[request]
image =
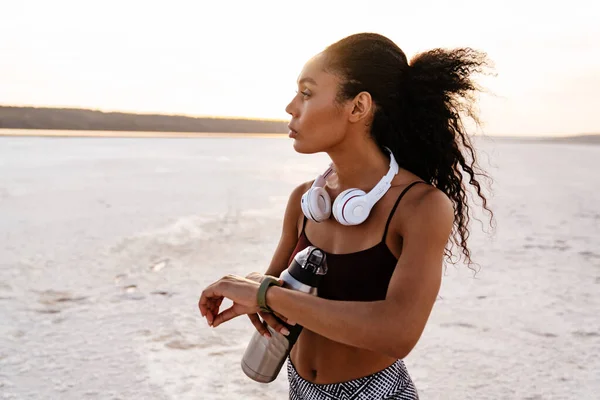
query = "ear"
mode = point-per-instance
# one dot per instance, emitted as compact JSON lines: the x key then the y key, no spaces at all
{"x":362,"y":106}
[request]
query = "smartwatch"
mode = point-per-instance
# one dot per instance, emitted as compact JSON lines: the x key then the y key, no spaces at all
{"x":266,"y":283}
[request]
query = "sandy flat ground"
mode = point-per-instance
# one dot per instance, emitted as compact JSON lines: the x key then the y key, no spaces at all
{"x":105,"y":245}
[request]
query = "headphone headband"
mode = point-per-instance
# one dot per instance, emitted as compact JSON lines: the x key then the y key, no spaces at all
{"x":352,"y":206}
{"x":384,"y":184}
{"x":320,"y":180}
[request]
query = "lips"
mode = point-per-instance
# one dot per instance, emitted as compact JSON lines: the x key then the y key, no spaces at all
{"x":293,"y":133}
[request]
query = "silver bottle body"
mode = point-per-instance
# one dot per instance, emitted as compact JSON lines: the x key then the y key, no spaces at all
{"x":264,"y":357}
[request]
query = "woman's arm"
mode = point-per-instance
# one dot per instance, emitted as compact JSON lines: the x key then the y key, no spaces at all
{"x":392,"y":326}
{"x":289,"y":232}
{"x":279,"y":261}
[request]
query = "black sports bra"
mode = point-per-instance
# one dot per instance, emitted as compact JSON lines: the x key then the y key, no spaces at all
{"x":359,"y":276}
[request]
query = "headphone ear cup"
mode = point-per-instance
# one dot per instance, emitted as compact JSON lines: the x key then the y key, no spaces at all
{"x":304,"y":205}
{"x":316,"y":204}
{"x":349,"y":207}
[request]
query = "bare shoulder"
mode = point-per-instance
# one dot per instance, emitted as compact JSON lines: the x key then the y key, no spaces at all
{"x":292,"y":221}
{"x":293,"y":212}
{"x":296,"y":196}
{"x":426,"y":206}
{"x":300,"y":190}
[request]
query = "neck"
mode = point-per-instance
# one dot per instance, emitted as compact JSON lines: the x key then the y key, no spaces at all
{"x":359,"y":165}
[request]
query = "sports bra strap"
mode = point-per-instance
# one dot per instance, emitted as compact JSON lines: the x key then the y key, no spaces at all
{"x":303,"y":224}
{"x":387,"y":225}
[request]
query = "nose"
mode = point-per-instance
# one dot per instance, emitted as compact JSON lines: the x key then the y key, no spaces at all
{"x":291,"y":109}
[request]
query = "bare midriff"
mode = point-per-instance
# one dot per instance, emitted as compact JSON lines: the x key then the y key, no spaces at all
{"x":322,"y":361}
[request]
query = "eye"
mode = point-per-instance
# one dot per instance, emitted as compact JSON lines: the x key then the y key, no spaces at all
{"x":304,"y":93}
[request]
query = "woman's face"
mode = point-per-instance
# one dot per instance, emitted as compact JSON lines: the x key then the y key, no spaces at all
{"x":318,"y":121}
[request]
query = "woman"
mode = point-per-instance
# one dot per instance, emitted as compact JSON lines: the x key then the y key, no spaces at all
{"x":355,"y":100}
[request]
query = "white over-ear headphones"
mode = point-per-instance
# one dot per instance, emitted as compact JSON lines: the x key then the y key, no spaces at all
{"x":352,"y":206}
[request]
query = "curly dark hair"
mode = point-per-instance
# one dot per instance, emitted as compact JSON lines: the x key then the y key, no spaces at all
{"x":418,"y":108}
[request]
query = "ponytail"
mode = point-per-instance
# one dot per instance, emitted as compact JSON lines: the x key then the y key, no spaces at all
{"x":418,"y":113}
{"x":435,"y":143}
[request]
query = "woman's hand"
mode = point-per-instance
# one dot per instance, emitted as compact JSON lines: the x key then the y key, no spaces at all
{"x":273,"y":320}
{"x":240,"y":290}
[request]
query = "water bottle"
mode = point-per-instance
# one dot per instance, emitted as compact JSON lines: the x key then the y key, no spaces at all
{"x":264,"y":357}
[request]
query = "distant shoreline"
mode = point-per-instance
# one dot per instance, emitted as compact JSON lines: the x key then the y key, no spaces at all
{"x":133,"y":134}
{"x":63,"y":119}
{"x":590,"y":139}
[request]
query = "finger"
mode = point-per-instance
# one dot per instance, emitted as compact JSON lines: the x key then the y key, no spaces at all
{"x":209,"y":296}
{"x":284,"y":319}
{"x":275,"y":323}
{"x":216,"y":304}
{"x":206,"y":308}
{"x":212,"y":309}
{"x":259,"y":325}
{"x":202,"y":306}
{"x":205,"y":299}
{"x":225,"y":316}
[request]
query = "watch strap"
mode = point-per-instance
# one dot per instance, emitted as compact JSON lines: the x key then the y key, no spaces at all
{"x":261,"y":297}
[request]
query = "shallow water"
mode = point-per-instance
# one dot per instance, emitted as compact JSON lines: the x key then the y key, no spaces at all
{"x":105,"y":245}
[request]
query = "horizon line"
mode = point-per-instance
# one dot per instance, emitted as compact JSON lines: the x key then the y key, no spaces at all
{"x":116,"y":111}
{"x":245,"y":118}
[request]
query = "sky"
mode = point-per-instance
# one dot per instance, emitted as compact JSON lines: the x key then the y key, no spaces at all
{"x":242,"y":58}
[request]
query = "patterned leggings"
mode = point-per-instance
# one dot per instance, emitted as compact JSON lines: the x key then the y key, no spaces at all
{"x":388,"y":384}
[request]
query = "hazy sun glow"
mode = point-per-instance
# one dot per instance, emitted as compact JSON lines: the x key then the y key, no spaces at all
{"x":242,"y":58}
